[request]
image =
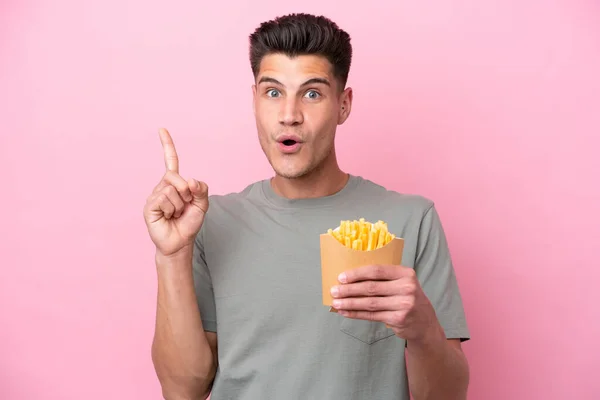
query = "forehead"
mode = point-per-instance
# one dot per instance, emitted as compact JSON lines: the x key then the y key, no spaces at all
{"x":295,"y":70}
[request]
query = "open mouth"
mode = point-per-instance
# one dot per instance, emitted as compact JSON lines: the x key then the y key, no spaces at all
{"x":289,"y":142}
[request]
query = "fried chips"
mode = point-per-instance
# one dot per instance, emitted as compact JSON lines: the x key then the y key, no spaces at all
{"x":362,"y":235}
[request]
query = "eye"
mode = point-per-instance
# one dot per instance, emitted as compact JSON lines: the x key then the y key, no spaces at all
{"x":272,"y":93}
{"x":312,"y":94}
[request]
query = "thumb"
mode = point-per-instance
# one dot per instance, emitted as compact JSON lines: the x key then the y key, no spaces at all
{"x":199,"y":192}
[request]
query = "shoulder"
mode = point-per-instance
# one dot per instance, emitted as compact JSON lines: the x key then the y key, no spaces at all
{"x":226,"y":208}
{"x":409,"y":203}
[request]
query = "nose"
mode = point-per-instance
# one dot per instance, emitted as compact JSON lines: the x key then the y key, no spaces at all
{"x":290,"y":112}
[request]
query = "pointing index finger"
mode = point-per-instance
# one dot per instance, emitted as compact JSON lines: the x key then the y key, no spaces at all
{"x":171,"y":160}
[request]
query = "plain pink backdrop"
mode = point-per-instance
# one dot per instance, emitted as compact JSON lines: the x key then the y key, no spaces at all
{"x":491,"y":108}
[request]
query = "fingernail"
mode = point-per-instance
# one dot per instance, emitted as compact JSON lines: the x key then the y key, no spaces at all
{"x":335,"y":291}
{"x":337,"y":304}
{"x":342,"y":277}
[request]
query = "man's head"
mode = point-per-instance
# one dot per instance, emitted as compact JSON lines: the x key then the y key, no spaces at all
{"x":300,"y":64}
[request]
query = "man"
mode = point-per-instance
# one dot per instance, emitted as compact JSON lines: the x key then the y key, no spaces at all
{"x":239,"y":308}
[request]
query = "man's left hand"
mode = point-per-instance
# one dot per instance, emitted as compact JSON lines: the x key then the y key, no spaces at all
{"x":390,"y":294}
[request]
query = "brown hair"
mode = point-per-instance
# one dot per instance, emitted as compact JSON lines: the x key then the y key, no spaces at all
{"x":303,"y":34}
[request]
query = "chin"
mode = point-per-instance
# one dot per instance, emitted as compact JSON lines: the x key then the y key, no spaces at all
{"x":291,"y":172}
{"x":287,"y":174}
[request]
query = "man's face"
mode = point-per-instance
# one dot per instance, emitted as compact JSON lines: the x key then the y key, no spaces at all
{"x":298,"y":105}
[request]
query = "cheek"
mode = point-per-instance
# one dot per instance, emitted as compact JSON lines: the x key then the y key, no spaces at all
{"x":266,"y":116}
{"x":320,"y":119}
{"x":261,"y":122}
{"x":325,"y":130}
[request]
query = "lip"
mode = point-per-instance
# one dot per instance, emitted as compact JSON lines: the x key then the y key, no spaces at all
{"x":283,"y":138}
{"x":289,"y":149}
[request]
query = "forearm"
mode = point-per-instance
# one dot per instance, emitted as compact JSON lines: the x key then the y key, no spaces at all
{"x":437,"y":369}
{"x":181,"y":352}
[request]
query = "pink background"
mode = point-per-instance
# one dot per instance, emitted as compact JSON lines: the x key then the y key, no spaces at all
{"x":492,"y":108}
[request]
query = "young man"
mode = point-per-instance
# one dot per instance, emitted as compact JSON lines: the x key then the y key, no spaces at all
{"x":240,"y":308}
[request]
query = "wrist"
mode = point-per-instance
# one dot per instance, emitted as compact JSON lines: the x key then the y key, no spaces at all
{"x":175,"y":268}
{"x":182,"y":256}
{"x":432,"y":339}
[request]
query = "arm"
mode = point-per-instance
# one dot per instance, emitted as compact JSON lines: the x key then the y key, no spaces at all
{"x":421,"y":305}
{"x":184,"y":355}
{"x":437,"y":369}
{"x":436,"y":365}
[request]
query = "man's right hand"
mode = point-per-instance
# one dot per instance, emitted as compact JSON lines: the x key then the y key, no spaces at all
{"x":175,"y":210}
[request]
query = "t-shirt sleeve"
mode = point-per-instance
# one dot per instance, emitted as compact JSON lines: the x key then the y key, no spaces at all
{"x":203,"y":286}
{"x":435,"y":271}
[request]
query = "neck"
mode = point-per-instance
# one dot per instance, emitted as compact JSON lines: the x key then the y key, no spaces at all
{"x":323,"y":181}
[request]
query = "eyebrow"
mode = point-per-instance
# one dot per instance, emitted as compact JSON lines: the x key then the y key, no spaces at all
{"x":312,"y":81}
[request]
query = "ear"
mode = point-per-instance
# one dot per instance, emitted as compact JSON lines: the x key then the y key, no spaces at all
{"x":254,"y":99}
{"x":345,"y":105}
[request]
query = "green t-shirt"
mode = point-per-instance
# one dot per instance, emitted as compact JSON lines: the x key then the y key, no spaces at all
{"x":257,"y":276}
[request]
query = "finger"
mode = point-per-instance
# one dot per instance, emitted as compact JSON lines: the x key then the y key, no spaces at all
{"x":174,"y":179}
{"x":171,"y":160}
{"x":199,"y":192}
{"x":375,"y":273}
{"x":377,"y":303}
{"x":162,"y":205}
{"x":173,"y":195}
{"x":366,"y":288}
{"x":387,"y":317}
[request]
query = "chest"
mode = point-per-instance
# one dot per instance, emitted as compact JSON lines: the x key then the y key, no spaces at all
{"x":275,"y":263}
{"x":260,"y":264}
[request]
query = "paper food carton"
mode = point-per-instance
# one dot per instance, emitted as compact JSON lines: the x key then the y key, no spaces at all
{"x":355,"y":244}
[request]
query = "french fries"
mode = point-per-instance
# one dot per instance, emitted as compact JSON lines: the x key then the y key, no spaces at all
{"x":362,"y":235}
